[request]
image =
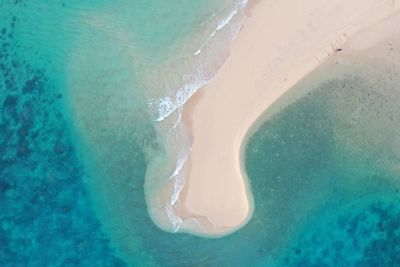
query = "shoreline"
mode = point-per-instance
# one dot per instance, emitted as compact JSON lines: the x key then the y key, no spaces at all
{"x":217,"y":192}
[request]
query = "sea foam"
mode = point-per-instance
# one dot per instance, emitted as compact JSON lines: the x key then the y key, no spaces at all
{"x":182,"y":80}
{"x":166,"y":105}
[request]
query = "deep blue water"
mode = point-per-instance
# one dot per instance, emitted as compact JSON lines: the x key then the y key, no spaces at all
{"x":46,"y":217}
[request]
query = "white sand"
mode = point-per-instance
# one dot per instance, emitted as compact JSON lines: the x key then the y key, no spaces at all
{"x":281,"y":42}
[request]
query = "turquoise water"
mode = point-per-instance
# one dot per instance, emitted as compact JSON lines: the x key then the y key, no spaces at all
{"x":328,"y":165}
{"x":78,"y":138}
{"x":46,"y":217}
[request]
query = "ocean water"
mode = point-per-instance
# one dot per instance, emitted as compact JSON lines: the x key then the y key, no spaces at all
{"x":326,"y":168}
{"x":116,"y":61}
{"x":129,"y":71}
{"x":90,"y":94}
{"x":46,"y":217}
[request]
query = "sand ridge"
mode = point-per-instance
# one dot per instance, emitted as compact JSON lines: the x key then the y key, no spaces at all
{"x":280,"y":43}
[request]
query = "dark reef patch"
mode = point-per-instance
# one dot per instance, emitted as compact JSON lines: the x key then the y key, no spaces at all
{"x":46,"y":218}
{"x":358,"y":236}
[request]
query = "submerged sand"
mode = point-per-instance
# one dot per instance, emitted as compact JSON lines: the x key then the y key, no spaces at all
{"x":280,"y":43}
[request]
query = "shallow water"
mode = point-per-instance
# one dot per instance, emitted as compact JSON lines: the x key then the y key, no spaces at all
{"x":326,"y":168}
{"x":77,"y":138}
{"x":50,"y":204}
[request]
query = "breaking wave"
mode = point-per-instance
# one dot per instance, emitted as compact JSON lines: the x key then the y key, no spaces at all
{"x":180,"y":79}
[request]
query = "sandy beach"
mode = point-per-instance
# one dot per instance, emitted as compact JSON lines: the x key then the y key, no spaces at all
{"x":279,"y":44}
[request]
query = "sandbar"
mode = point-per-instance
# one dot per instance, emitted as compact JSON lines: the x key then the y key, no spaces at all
{"x":279,"y":44}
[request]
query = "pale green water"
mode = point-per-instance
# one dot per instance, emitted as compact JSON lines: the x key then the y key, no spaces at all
{"x":77,"y":137}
